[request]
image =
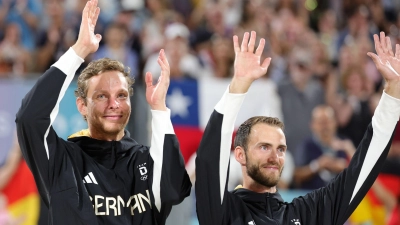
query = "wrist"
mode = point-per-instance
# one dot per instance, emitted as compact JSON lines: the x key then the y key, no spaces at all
{"x":81,"y":50}
{"x":392,"y":89}
{"x":239,"y":86}
{"x":159,"y":107}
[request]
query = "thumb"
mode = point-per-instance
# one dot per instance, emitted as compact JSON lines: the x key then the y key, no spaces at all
{"x":98,"y":37}
{"x":375,"y":58}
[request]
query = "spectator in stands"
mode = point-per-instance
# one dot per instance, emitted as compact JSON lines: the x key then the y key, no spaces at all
{"x":116,"y":47}
{"x":14,"y":58}
{"x":328,"y":33}
{"x":217,"y":56}
{"x":56,"y":35}
{"x":184,"y":65}
{"x":25,"y":13}
{"x":323,"y":155}
{"x":158,"y":17}
{"x":299,"y":95}
{"x":354,"y":107}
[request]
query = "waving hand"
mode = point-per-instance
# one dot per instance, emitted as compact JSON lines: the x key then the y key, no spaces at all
{"x":156,"y":94}
{"x":247,"y":62}
{"x":88,"y":41}
{"x":388,"y":63}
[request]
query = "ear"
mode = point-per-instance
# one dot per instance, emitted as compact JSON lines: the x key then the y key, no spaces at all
{"x":81,"y":105}
{"x":240,"y":155}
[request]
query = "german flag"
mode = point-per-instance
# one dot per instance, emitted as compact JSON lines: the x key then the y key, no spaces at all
{"x":23,"y":201}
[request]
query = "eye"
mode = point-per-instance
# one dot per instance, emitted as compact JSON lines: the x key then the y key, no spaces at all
{"x":122,"y":95}
{"x":264,"y":147}
{"x":281,"y":149}
{"x":101,"y":96}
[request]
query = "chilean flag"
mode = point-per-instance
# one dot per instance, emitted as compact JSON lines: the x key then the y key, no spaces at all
{"x":192,"y":102}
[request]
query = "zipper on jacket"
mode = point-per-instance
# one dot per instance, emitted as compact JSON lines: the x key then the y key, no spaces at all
{"x":269,"y":209}
{"x":113,"y":154}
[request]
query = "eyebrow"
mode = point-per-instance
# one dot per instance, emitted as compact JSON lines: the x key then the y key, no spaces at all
{"x":266,"y":143}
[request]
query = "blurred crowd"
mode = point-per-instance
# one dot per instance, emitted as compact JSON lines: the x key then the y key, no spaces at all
{"x":328,"y":86}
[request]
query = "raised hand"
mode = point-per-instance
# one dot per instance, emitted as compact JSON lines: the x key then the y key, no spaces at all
{"x":88,"y":41}
{"x":247,"y":62}
{"x":156,"y":94}
{"x":387,"y":63}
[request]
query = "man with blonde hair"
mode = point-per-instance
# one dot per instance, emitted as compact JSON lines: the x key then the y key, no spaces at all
{"x":101,"y":175}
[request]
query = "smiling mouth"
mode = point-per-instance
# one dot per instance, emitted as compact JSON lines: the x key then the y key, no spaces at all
{"x":113,"y":117}
{"x":271,"y":168}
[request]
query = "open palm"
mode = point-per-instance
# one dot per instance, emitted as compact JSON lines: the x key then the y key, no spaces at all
{"x":87,"y":37}
{"x":247,"y":62}
{"x":156,"y":94}
{"x":385,"y":60}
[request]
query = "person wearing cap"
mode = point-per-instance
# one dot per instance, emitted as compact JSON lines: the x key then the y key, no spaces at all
{"x":299,"y":93}
{"x":184,"y":65}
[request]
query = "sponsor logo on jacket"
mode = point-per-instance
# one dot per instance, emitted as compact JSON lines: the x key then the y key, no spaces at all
{"x":295,"y":221}
{"x":106,"y":206}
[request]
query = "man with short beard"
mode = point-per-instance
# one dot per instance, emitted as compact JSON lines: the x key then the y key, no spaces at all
{"x":260,"y":147}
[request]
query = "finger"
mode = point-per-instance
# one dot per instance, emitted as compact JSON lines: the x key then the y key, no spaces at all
{"x":96,"y":16}
{"x":85,"y":13}
{"x":375,"y":58}
{"x":164,"y":58}
{"x":260,"y":47}
{"x":244,"y":42}
{"x":91,"y":7}
{"x":389,"y":46}
{"x":161,"y":63}
{"x":378,"y":47}
{"x":252,"y":41}
{"x":266,"y":63}
{"x":149,"y":79}
{"x":397,"y":51}
{"x":94,"y":6}
{"x":383,"y":42}
{"x":236,"y":43}
{"x":98,"y":37}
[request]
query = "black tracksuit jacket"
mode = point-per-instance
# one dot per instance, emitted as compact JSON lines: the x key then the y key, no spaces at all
{"x":330,"y":205}
{"x":88,"y":181}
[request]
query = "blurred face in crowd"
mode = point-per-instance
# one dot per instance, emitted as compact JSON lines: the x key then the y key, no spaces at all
{"x":354,"y":82}
{"x":323,"y":123}
{"x":12,"y":34}
{"x":265,"y":154}
{"x":116,"y":37}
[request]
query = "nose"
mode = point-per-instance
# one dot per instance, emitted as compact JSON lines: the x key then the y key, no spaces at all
{"x":113,"y":103}
{"x":274,"y":154}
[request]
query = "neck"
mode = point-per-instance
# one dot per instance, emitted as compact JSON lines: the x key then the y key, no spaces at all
{"x":106,"y":136}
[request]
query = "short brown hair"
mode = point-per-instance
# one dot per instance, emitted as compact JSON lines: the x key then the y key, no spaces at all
{"x":100,"y":66}
{"x":242,"y":134}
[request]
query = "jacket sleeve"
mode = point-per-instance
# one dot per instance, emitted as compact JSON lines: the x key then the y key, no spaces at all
{"x":38,"y":141}
{"x":340,"y":197}
{"x":213,"y":160}
{"x":170,"y":183}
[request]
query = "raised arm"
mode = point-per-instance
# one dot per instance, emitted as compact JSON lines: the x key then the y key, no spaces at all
{"x":170,"y":183}
{"x":39,"y":143}
{"x":345,"y":192}
{"x":214,"y":151}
